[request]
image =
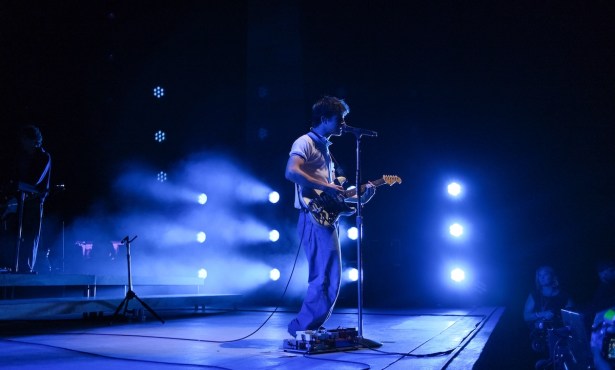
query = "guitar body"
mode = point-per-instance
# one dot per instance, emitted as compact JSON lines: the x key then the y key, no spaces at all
{"x":326,"y":210}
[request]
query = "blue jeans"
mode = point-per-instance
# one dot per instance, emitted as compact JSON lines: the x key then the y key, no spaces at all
{"x":322,"y":249}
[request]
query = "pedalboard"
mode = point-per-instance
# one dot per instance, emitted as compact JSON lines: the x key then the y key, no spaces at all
{"x":323,"y":341}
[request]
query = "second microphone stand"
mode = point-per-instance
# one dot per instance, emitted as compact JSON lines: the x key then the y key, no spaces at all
{"x":130,"y":294}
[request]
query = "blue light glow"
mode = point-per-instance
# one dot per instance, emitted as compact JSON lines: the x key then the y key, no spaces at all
{"x":454,"y":189}
{"x":458,"y":275}
{"x":202,"y":198}
{"x":201,"y":237}
{"x":274,"y":235}
{"x":456,"y":230}
{"x":352,"y":233}
{"x":353,"y":274}
{"x":202,"y":274}
{"x":274,"y":197}
{"x":274,"y":274}
{"x":162,"y":176}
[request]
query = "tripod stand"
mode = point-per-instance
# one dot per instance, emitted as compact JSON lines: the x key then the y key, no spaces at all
{"x":130,"y":294}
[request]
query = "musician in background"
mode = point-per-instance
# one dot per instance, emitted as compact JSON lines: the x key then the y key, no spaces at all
{"x":542,"y":312}
{"x":311,"y":167}
{"x":28,"y":187}
{"x":544,"y":304}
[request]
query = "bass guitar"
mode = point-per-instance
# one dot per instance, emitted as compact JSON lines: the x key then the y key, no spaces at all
{"x":326,"y":210}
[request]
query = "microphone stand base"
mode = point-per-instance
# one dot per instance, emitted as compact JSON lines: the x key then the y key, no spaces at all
{"x":368,"y":343}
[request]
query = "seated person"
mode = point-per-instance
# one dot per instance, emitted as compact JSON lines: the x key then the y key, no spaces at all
{"x":543,"y":306}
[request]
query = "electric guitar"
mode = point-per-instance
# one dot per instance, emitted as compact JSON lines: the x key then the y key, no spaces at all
{"x":326,"y":210}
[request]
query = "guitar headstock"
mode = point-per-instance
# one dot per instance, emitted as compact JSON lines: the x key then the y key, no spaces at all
{"x":391,"y":180}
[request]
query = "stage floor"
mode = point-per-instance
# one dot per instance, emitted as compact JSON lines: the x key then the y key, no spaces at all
{"x":246,"y":339}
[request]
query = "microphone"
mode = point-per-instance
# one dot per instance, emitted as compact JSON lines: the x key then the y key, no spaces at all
{"x":358,"y":131}
{"x":125,"y":240}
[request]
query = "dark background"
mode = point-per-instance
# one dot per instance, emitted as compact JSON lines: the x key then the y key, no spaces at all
{"x":514,"y":99}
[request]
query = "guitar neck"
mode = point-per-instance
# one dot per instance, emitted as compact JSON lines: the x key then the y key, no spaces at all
{"x":353,"y":192}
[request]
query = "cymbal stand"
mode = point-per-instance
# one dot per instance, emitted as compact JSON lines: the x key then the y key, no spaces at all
{"x":130,"y":294}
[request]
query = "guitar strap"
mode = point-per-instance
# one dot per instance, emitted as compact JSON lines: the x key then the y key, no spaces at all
{"x":333,"y":166}
{"x":302,"y":206}
{"x":339,"y":171}
{"x":322,"y":143}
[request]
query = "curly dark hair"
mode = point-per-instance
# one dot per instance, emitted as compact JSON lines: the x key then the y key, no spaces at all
{"x":328,"y":106}
{"x":33,"y":133}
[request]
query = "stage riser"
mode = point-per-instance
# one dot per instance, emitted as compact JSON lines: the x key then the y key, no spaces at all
{"x":30,"y":309}
{"x":21,"y":286}
{"x":25,"y":297}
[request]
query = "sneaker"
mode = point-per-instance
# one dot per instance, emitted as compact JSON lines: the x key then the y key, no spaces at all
{"x":292,"y":328}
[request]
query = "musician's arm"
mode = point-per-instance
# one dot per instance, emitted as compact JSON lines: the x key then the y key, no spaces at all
{"x":368,"y":194}
{"x":295,"y":173}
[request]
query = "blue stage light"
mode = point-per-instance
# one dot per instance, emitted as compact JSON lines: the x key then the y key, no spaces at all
{"x":454,"y":189}
{"x":353,"y":274}
{"x":274,"y":235}
{"x":158,"y":92}
{"x":274,"y":197}
{"x":202,"y":274}
{"x":159,"y":136}
{"x":458,"y":275}
{"x":202,"y":198}
{"x":274,"y":274}
{"x":352,"y":233}
{"x":456,"y":230}
{"x":162,"y":176}
{"x":201,"y":236}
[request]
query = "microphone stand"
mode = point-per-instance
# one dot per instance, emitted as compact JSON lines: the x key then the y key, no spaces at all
{"x":364,"y":342}
{"x":130,"y":294}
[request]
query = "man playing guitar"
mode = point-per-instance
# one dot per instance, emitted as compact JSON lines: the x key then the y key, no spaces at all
{"x":311,"y":168}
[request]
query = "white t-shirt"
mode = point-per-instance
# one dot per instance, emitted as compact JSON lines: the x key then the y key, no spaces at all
{"x":315,"y":151}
